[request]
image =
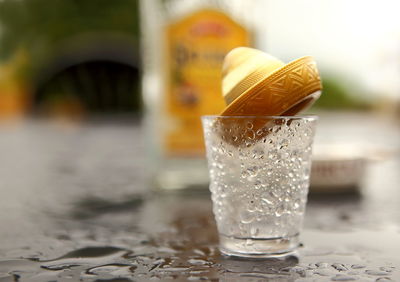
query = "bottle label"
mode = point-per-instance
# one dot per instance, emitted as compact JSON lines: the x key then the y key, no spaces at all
{"x":196,"y":46}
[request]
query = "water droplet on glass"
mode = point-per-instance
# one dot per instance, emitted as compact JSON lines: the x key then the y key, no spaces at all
{"x":297,"y":204}
{"x":254,"y":231}
{"x":257,"y":184}
{"x":251,"y":206}
{"x":268,"y":198}
{"x":253,"y":171}
{"x":277,"y":193}
{"x":251,"y":135}
{"x":258,"y":154}
{"x":249,"y":242}
{"x":280,"y":210}
{"x":276,"y":129}
{"x":246,"y":216}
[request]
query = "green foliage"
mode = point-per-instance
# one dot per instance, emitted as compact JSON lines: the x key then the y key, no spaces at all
{"x":38,"y":25}
{"x":335,"y":95}
{"x":42,"y":30}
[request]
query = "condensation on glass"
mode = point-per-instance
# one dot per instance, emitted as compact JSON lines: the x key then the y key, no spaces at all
{"x":259,"y":169}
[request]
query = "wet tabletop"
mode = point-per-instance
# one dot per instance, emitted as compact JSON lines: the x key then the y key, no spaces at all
{"x":75,"y":206}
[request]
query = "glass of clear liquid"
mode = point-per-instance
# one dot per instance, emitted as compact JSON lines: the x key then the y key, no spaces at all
{"x":259,"y":178}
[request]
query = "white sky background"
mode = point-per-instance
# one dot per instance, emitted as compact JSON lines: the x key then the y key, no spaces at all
{"x":354,"y":38}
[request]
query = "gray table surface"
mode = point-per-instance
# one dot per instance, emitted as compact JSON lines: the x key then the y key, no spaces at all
{"x":75,"y":206}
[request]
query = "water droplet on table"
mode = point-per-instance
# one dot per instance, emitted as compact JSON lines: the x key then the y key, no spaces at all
{"x":376,"y":272}
{"x":342,"y":277}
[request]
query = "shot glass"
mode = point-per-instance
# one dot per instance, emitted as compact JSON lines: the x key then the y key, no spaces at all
{"x":259,"y":178}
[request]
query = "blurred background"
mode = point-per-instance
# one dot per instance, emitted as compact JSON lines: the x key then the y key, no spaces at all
{"x":75,"y":61}
{"x":73,"y":58}
{"x":70,"y":58}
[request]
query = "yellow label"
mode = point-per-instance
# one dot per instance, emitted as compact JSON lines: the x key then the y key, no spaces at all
{"x":196,"y":47}
{"x":14,"y":91}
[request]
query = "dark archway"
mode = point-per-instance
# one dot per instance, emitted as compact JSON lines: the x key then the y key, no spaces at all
{"x":100,"y":87}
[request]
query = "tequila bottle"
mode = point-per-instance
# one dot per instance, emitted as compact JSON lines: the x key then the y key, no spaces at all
{"x":183,"y":46}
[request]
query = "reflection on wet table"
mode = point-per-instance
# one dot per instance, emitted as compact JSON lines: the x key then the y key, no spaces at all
{"x":74,"y":207}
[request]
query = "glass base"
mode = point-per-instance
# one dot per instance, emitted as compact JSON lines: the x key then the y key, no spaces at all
{"x":259,"y":247}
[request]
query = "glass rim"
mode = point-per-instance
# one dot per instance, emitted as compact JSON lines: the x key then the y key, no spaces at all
{"x":312,"y":117}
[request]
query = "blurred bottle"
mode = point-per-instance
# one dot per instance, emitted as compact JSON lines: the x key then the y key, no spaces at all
{"x":184,"y":43}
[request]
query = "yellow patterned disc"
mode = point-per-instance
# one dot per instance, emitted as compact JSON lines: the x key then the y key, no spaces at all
{"x":255,"y":83}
